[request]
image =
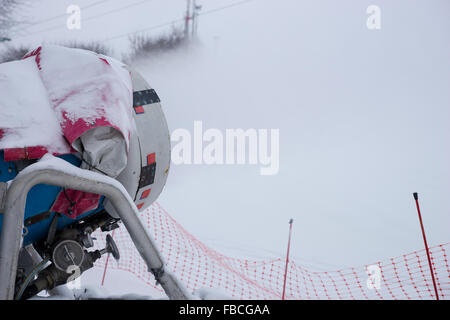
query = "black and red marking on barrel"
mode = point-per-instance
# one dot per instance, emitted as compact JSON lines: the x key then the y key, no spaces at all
{"x":140,"y":205}
{"x":148,"y":172}
{"x":147,"y":177}
{"x":145,"y":194}
{"x":144,"y":97}
{"x":139,"y":109}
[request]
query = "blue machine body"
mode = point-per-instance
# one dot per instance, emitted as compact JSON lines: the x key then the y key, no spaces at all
{"x":40,"y":199}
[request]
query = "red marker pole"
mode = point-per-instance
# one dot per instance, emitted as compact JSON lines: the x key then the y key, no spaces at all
{"x":416,"y":198}
{"x":287,"y":258}
{"x":106,"y":263}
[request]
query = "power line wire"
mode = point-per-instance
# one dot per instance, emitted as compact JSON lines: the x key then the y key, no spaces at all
{"x":178,"y":20}
{"x":93,"y":17}
{"x":58,"y":16}
{"x":235,"y":4}
{"x":140,"y":30}
{"x":116,"y":10}
{"x":165,"y":24}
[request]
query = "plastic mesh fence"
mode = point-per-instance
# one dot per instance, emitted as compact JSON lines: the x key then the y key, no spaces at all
{"x":198,"y":266}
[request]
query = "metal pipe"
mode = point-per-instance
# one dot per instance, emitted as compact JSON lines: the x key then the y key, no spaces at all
{"x":291,"y":221}
{"x":106,"y":263}
{"x":51,"y":172}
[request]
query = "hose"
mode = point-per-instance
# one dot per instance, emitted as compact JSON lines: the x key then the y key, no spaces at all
{"x":30,"y":277}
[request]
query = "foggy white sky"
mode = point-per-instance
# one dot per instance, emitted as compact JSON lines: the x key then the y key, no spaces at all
{"x":364,"y":119}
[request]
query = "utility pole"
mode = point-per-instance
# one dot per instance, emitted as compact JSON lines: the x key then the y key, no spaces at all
{"x":195,"y":13}
{"x":191,"y":22}
{"x":187,"y":19}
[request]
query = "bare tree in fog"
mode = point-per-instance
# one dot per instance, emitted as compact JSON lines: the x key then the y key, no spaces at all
{"x":7,"y":19}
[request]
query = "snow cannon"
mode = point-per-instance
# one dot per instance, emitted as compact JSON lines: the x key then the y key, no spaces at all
{"x":84,"y":146}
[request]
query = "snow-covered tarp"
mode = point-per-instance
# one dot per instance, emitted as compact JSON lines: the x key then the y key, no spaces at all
{"x":26,"y":116}
{"x":60,"y":100}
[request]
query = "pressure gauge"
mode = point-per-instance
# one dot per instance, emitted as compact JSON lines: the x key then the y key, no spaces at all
{"x":67,"y":253}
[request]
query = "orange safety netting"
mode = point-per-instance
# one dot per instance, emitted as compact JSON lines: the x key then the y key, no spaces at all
{"x":198,"y":266}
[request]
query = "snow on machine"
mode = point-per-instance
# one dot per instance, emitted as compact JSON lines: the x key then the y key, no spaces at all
{"x":84,"y":145}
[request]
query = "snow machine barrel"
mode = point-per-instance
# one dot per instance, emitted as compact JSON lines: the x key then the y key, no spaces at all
{"x":109,"y":139}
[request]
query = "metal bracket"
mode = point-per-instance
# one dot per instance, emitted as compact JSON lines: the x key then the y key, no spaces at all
{"x":57,"y":172}
{"x":37,"y":218}
{"x":157,"y":273}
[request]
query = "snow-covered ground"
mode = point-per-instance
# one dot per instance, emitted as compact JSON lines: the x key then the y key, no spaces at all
{"x":364,"y":121}
{"x":363,"y":118}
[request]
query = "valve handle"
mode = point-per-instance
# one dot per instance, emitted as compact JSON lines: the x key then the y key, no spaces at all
{"x":111,"y":247}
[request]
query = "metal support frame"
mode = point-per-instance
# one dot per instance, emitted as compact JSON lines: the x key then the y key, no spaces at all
{"x":83,"y":180}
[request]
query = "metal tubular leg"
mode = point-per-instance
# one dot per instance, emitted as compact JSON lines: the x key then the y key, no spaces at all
{"x":54,"y":171}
